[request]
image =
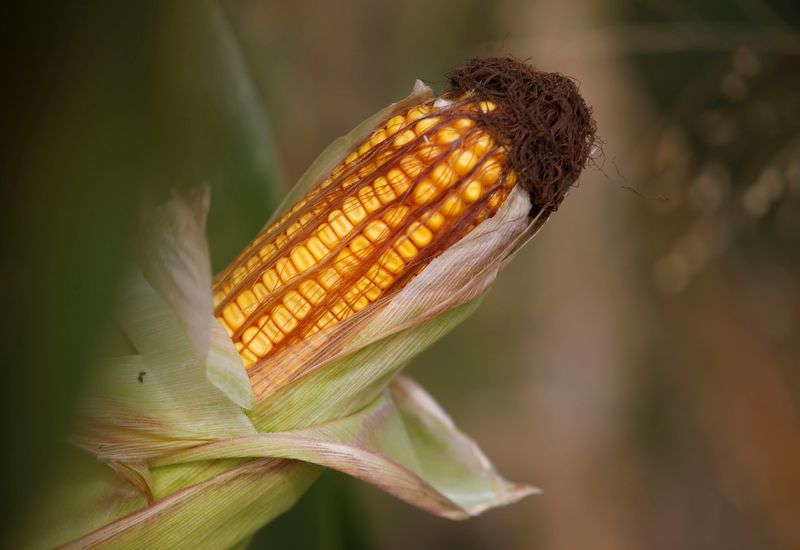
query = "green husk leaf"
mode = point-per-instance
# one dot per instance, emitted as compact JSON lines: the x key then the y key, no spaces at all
{"x":403,"y":443}
{"x":143,"y":405}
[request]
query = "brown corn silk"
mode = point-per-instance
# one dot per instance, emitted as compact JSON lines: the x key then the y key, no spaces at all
{"x":422,"y":180}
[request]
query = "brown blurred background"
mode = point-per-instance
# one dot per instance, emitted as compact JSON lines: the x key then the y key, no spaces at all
{"x":638,"y":361}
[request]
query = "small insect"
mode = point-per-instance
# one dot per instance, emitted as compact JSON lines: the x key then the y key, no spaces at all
{"x":141,"y":376}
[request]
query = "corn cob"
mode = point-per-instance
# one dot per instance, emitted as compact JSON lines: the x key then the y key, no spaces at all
{"x":420,"y":182}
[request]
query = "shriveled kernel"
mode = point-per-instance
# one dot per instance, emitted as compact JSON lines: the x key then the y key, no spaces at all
{"x":406,"y":248}
{"x":271,"y":280}
{"x":452,"y":206}
{"x":233,"y":315}
{"x":360,"y":246}
{"x":329,"y":278}
{"x":296,"y":304}
{"x":354,"y":210}
{"x":351,"y":158}
{"x":464,"y":161}
{"x":404,"y":137}
{"x":327,"y":235}
{"x":472,"y":192}
{"x":447,"y":135}
{"x":392,"y":261}
{"x":376,"y":231}
{"x":368,"y":199}
{"x":425,"y":192}
{"x":247,"y":301}
{"x":312,"y":291}
{"x":443,"y":175}
{"x":426,"y":124}
{"x":384,"y":191}
{"x":434,"y":220}
{"x":302,"y":258}
{"x":283,"y":318}
{"x":420,"y":234}
{"x":340,"y":224}
{"x":252,"y":262}
{"x":317,"y":249}
{"x":394,"y":124}
{"x":292,"y":229}
{"x":396,"y":215}
{"x":398,"y":180}
{"x":267,"y":251}
{"x":286,"y":269}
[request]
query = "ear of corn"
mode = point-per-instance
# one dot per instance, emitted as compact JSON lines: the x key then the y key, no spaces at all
{"x":421,"y":181}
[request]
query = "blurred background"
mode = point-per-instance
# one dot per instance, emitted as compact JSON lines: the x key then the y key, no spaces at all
{"x":638,"y":361}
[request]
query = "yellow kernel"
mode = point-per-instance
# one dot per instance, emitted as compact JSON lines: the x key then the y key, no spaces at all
{"x":380,"y":276}
{"x":317,"y":249}
{"x":260,"y":291}
{"x":227,"y":327}
{"x":495,"y":199}
{"x":486,"y":106}
{"x":404,"y":137}
{"x":417,"y":113}
{"x":286,"y":269}
{"x":394,"y":124}
{"x":429,"y":152}
{"x":271,"y":280}
{"x":490,"y":172}
{"x":260,"y":344}
{"x":281,"y":240}
{"x":354,"y":210}
{"x":340,"y":224}
{"x":447,"y":135}
{"x":356,"y":299}
{"x":411,"y":166}
{"x":272,"y":331}
{"x":464,"y":123}
{"x":398,"y":180}
{"x":312,"y":291}
{"x":350,"y":180}
{"x":341,"y":310}
{"x":483,"y":144}
{"x":396,"y":215}
{"x":351,"y":158}
{"x":248,"y":357}
{"x":392,"y":262}
{"x":249,"y":334}
{"x":452,"y":206}
{"x":434,"y":220}
{"x":326,"y":319}
{"x":376,"y":231}
{"x":292,"y":229}
{"x":368,"y":199}
{"x":511,"y":179}
{"x":283,"y":319}
{"x":252,"y":262}
{"x":360,"y":246}
{"x":247,"y":301}
{"x":296,"y":304}
{"x":443,"y":175}
{"x":302,"y":258}
{"x":420,"y":234}
{"x":267,"y":251}
{"x":406,"y":248}
{"x":233,"y":315}
{"x":426,"y":124}
{"x":384,"y":191}
{"x":329,"y":278}
{"x":238,"y":274}
{"x":327,"y":235}
{"x":363,"y":148}
{"x":378,"y":137}
{"x":425,"y":192}
{"x":345,"y":262}
{"x":464,"y":161}
{"x":472,"y":192}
